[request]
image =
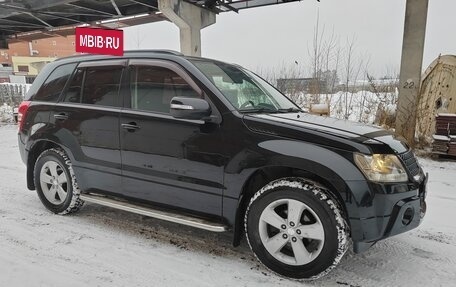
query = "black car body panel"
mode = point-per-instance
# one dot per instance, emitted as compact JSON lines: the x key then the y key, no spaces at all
{"x":206,"y":167}
{"x":181,"y":167}
{"x":92,"y":137}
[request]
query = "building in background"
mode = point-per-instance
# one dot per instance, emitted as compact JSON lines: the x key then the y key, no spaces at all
{"x":28,"y":58}
{"x":5,"y":73}
{"x":301,"y":85}
{"x":5,"y":60}
{"x":29,"y":67}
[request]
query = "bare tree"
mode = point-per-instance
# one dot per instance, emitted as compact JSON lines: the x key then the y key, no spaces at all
{"x":286,"y":79}
{"x":350,"y":98}
{"x":139,"y":38}
{"x":324,"y":55}
{"x":353,"y":68}
{"x":386,"y":91}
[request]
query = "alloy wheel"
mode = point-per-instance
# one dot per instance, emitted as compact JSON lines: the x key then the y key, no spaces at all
{"x":54,"y":182}
{"x":291,"y":232}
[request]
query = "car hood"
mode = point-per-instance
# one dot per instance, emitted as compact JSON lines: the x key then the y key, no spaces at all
{"x":344,"y":129}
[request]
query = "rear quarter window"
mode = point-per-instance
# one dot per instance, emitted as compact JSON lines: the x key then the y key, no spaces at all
{"x":51,"y":89}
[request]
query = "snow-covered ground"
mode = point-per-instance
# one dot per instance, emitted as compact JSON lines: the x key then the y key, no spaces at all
{"x":105,"y":247}
{"x":361,"y":106}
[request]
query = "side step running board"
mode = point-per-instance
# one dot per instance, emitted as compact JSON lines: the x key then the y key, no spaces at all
{"x":147,"y":211}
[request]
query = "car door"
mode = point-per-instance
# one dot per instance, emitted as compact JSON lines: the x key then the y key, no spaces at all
{"x":87,"y":124}
{"x":165,"y":160}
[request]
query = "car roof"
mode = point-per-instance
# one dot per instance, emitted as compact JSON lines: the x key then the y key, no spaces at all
{"x":157,"y":54}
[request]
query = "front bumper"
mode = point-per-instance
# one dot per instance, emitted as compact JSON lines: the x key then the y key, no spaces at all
{"x":406,"y":214}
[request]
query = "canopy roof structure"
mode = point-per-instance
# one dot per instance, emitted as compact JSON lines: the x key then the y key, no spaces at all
{"x":235,"y":5}
{"x":26,"y":20}
{"x":33,"y":19}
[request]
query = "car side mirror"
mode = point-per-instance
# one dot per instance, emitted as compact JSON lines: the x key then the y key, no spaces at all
{"x":189,"y":108}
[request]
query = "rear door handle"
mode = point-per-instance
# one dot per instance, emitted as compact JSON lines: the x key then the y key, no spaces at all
{"x":61,"y":116}
{"x":131,"y":127}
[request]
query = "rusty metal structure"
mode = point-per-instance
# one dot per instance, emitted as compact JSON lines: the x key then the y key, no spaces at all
{"x":437,"y":96}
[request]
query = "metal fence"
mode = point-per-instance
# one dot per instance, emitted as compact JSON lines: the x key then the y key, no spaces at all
{"x":13,"y":94}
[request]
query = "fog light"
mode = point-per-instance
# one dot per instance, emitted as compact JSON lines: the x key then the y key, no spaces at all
{"x":408,"y":216}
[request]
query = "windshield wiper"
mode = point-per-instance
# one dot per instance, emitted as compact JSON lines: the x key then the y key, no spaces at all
{"x":258,"y":110}
{"x":290,"y":110}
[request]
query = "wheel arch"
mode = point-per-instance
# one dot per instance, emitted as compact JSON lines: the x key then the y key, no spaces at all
{"x":36,"y":149}
{"x":287,"y":248}
{"x":336,"y":187}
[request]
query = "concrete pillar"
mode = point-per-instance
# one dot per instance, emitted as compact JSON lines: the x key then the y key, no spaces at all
{"x":190,"y":19}
{"x":411,"y":66}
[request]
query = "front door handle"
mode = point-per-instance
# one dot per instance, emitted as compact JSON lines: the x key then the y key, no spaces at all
{"x":61,"y":116}
{"x":131,"y":127}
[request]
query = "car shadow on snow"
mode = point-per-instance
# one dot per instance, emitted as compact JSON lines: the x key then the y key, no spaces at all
{"x":181,"y":236}
{"x":378,"y":266}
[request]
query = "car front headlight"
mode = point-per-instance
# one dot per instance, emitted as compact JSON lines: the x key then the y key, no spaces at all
{"x":381,"y":167}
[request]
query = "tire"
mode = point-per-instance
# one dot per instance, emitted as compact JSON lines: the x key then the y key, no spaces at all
{"x":55,"y":182}
{"x":296,"y":229}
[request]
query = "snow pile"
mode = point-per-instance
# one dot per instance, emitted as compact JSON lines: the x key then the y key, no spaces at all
{"x":361,"y":106}
{"x":6,"y":113}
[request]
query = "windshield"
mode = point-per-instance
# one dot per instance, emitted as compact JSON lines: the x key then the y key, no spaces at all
{"x":246,"y":91}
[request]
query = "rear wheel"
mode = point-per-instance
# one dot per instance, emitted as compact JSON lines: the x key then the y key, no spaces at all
{"x":56,"y":183}
{"x":296,"y":229}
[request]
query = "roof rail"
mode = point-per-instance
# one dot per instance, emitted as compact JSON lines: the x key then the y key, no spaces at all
{"x":170,"y":52}
{"x":164,"y":51}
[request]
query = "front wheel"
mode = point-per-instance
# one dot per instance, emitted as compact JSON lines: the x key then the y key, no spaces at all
{"x":296,"y":229}
{"x":55,"y":182}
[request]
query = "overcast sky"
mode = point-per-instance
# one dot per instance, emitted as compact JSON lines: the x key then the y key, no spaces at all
{"x":282,"y":34}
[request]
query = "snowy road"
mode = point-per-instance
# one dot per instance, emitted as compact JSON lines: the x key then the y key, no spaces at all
{"x":104,"y":247}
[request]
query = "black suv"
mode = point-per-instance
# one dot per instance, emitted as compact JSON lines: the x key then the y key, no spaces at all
{"x":214,"y":146}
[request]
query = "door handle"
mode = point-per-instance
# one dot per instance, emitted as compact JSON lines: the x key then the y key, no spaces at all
{"x":61,"y":116}
{"x":131,"y":127}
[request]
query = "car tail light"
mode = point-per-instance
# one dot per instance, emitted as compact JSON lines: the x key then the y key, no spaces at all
{"x":21,"y":113}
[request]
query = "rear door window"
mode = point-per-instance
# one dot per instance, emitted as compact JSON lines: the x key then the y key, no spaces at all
{"x":101,"y":86}
{"x":95,"y":86}
{"x":53,"y":86}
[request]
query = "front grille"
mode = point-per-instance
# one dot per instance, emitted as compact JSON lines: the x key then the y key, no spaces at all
{"x":410,"y":162}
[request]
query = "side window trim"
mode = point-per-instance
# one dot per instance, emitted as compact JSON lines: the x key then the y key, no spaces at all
{"x":158,"y":115}
{"x":90,"y":107}
{"x":84,"y":70}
